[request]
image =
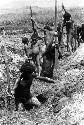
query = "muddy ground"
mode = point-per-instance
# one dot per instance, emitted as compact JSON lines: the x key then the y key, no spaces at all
{"x":65,"y":97}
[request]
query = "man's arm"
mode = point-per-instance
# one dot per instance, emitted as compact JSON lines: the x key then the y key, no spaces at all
{"x":26,"y":51}
{"x":37,"y":25}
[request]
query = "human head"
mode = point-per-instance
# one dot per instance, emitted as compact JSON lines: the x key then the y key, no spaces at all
{"x":63,"y":11}
{"x":82,"y":25}
{"x":47,"y":27}
{"x":25,"y":40}
{"x":27,"y":67}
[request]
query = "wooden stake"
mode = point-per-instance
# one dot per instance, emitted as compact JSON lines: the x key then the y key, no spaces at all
{"x":56,"y":51}
{"x":46,"y":79}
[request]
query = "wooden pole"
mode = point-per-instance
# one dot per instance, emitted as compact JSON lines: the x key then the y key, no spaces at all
{"x":31,"y":11}
{"x":46,"y":79}
{"x":75,"y":36}
{"x":56,"y":51}
{"x":32,"y":16}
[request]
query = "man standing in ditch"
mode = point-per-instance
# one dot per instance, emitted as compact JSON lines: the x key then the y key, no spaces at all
{"x":49,"y":54}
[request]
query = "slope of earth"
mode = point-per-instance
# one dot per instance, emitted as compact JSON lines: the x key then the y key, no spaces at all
{"x":65,"y":97}
{"x":16,"y":19}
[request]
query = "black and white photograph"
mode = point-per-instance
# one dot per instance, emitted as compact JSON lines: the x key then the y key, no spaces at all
{"x":41,"y":62}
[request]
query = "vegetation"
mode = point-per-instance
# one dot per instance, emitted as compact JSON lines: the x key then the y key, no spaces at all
{"x":65,"y":97}
{"x":21,"y":19}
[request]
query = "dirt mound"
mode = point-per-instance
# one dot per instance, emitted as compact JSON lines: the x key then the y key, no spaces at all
{"x":65,"y":99}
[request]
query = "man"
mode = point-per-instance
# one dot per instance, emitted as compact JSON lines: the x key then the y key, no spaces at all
{"x":60,"y":35}
{"x":66,"y":15}
{"x":32,"y":51}
{"x":48,"y":61}
{"x":22,"y":90}
{"x":82,"y":32}
{"x":78,"y":34}
{"x":35,"y":37}
{"x":25,"y":41}
{"x":49,"y":54}
{"x":67,"y":19}
{"x":68,"y":23}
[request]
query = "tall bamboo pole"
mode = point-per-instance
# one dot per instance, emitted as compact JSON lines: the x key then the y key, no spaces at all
{"x":56,"y":51}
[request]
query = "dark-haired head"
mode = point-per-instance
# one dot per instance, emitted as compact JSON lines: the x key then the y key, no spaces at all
{"x":25,"y":40}
{"x":83,"y":25}
{"x":27,"y":67}
{"x":47,"y":27}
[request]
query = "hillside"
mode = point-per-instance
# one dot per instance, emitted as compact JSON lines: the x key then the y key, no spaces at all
{"x":65,"y":97}
{"x":20,"y":18}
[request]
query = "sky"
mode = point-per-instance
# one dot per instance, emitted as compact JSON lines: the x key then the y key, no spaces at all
{"x":40,"y":3}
